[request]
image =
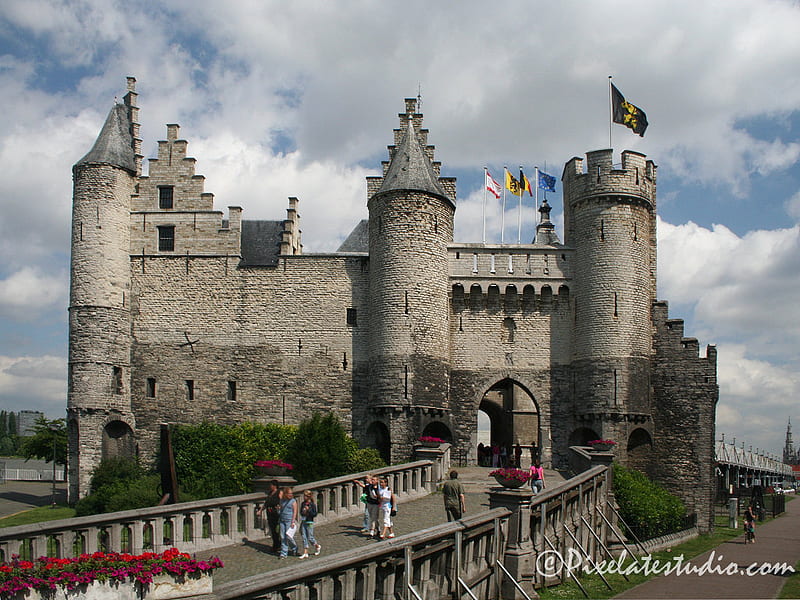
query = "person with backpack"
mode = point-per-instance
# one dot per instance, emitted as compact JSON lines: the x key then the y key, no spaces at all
{"x":308,"y":510}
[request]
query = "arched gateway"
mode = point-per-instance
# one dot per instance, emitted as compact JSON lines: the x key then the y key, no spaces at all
{"x":514,"y":417}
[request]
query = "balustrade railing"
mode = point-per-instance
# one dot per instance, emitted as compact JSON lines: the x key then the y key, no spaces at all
{"x":200,"y":525}
{"x":569,"y":520}
{"x":433,"y":563}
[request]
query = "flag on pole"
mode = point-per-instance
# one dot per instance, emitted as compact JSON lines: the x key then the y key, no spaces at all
{"x":626,"y":113}
{"x":524,"y":184}
{"x":492,"y":185}
{"x":546,"y":182}
{"x":512,"y":185}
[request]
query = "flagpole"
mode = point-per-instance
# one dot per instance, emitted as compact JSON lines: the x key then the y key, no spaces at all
{"x":503,"y":215}
{"x":485,"y":181}
{"x":610,"y":112}
{"x":536,"y":202}
{"x":519,"y":211}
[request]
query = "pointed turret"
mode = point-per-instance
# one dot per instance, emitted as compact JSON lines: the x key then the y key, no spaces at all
{"x":410,"y":168}
{"x":115,"y":145}
{"x":545,"y":230}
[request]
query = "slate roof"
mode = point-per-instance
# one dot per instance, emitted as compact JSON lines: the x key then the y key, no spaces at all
{"x":358,"y":240}
{"x":261,"y":243}
{"x":114,"y":145}
{"x":411,"y":169}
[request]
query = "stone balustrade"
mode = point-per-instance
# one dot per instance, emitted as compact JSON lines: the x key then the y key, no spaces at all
{"x":200,"y":525}
{"x":433,"y":562}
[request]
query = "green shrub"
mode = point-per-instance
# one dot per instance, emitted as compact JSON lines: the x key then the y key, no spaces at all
{"x":320,"y":450}
{"x":119,"y":484}
{"x":217,"y":460}
{"x":648,"y":508}
{"x":363,"y":459}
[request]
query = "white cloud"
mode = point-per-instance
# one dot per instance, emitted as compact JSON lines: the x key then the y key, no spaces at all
{"x":34,"y":383}
{"x":28,"y":291}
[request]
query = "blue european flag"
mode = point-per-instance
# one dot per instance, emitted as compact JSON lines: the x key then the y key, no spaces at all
{"x":547,"y":182}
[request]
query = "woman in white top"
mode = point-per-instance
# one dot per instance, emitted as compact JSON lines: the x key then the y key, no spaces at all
{"x":388,"y":505}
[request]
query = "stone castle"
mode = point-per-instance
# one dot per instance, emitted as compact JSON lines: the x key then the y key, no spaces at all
{"x":178,"y":314}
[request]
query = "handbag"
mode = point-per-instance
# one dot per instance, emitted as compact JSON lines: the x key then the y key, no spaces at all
{"x":393,"y":513}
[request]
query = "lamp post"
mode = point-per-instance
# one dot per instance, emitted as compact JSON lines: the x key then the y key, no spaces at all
{"x":54,"y":430}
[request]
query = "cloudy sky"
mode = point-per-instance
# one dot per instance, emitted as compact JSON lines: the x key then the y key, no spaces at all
{"x":299,"y":98}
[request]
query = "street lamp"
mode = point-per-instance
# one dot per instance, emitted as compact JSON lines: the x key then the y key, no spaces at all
{"x":54,"y":430}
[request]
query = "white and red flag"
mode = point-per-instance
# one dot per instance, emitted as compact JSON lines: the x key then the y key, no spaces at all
{"x":492,"y":185}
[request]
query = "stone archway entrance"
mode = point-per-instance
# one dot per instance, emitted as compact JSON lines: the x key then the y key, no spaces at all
{"x":118,"y":441}
{"x":513,"y":417}
{"x":378,"y":438}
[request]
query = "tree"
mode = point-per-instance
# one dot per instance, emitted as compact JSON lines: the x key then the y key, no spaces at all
{"x":321,"y":448}
{"x":48,"y":436}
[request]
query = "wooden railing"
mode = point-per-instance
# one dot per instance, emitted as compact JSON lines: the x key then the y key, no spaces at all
{"x":201,"y":525}
{"x":439,"y":562}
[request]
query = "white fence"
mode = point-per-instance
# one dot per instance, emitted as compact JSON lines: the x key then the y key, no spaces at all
{"x":31,"y":474}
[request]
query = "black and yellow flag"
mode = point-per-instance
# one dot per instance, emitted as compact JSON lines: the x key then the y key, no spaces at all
{"x":513,"y":185}
{"x":626,"y":113}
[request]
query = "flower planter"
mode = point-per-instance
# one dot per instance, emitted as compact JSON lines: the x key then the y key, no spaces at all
{"x":602,"y":447}
{"x":509,"y":483}
{"x":430,"y":444}
{"x":272,"y":471}
{"x":163,"y":587}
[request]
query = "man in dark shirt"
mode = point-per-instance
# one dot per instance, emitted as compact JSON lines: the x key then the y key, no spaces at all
{"x":271,"y":507}
{"x":453,"y":492}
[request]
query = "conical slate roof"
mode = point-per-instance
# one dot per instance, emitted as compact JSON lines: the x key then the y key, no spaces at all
{"x":114,"y":145}
{"x":411,"y":169}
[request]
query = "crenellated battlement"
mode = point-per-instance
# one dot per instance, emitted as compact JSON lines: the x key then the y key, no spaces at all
{"x":598,"y":177}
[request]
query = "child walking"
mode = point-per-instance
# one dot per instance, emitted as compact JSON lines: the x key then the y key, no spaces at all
{"x":308,"y":510}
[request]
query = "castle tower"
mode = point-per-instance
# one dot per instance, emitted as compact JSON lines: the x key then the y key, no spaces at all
{"x":100,"y":421}
{"x":410,"y":225}
{"x":609,"y":219}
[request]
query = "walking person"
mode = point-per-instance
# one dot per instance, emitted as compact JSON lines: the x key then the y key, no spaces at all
{"x":454,"y":503}
{"x":363,"y":485}
{"x":749,"y":525}
{"x":288,"y":522}
{"x":373,"y":505}
{"x":517,"y":455}
{"x":537,"y":476}
{"x":271,"y":507}
{"x":308,"y":510}
{"x":388,"y":508}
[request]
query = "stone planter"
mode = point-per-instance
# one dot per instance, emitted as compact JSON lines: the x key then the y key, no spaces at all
{"x":602,"y":447}
{"x":273,"y":471}
{"x":163,"y":587}
{"x":430,"y":444}
{"x":509,"y":483}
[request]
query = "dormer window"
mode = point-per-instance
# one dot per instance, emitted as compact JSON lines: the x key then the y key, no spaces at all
{"x":165,"y":196}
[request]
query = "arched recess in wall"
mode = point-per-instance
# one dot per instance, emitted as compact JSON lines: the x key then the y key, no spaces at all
{"x":528,"y":298}
{"x":640,"y":449}
{"x":493,"y":298}
{"x":378,"y":438}
{"x":458,"y":299}
{"x":513,"y":414}
{"x":439,"y":430}
{"x":582,"y":436}
{"x":475,"y":297}
{"x":118,"y":441}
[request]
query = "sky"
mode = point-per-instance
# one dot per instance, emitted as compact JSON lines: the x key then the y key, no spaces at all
{"x":299,"y":98}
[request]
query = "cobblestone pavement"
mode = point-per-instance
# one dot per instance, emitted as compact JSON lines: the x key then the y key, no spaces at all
{"x":253,"y":557}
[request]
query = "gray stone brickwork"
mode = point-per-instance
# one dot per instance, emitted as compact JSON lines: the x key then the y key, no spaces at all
{"x":182,"y":313}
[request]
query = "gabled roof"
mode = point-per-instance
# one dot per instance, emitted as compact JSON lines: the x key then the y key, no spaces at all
{"x":411,"y":169}
{"x":114,"y":145}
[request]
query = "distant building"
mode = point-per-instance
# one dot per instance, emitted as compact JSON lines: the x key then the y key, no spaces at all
{"x":26,"y":419}
{"x":180,"y":315}
{"x":791,"y":455}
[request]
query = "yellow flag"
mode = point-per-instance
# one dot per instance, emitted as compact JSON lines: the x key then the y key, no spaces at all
{"x":512,"y":184}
